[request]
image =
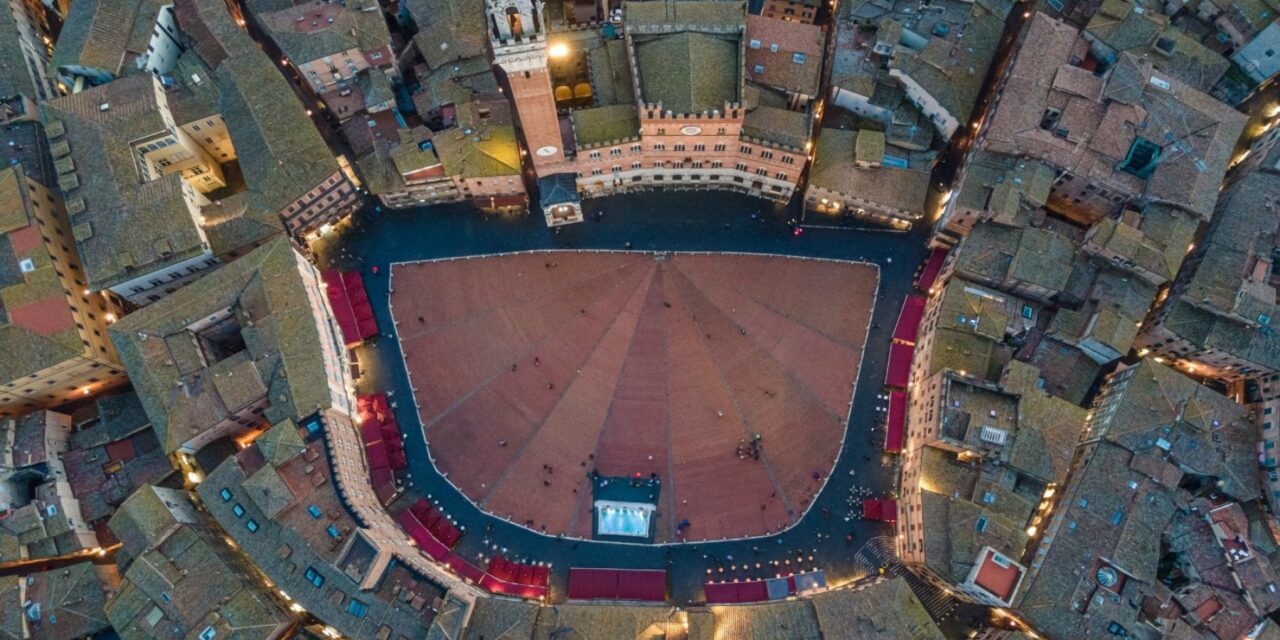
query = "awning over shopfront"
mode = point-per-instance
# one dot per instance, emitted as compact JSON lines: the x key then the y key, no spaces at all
{"x":898,"y":373}
{"x":618,"y":584}
{"x":932,"y":268}
{"x":909,"y":320}
{"x":884,"y":510}
{"x":350,"y":304}
{"x":895,"y":426}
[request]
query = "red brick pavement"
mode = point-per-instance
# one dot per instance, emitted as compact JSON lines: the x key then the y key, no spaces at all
{"x":625,"y":363}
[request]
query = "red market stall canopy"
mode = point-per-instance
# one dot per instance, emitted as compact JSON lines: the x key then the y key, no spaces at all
{"x":516,"y":578}
{"x":898,"y":373}
{"x":423,"y":538}
{"x":895,"y":426}
{"x":909,"y":320}
{"x":380,"y":432}
{"x":737,"y":592}
{"x":885,"y":510}
{"x":350,"y":304}
{"x":618,"y":584}
{"x":437,"y":524}
{"x":464,"y":568}
{"x":435,"y":535}
{"x":932,"y":268}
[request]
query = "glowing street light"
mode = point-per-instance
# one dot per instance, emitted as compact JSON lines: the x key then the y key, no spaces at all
{"x":558,"y":50}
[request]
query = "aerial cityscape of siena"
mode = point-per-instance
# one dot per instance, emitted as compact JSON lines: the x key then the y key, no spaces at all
{"x":639,"y":320}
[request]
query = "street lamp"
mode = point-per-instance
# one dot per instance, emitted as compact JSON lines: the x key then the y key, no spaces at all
{"x":558,"y":50}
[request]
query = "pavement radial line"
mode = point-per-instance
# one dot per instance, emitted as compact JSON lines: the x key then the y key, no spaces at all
{"x":584,"y":495}
{"x":478,"y":313}
{"x":666,"y":396}
{"x":500,"y":370}
{"x":497,"y":482}
{"x":733,"y":397}
{"x":789,"y":317}
{"x":786,"y":371}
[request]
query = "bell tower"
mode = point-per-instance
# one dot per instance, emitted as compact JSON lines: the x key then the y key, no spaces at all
{"x":519,"y":40}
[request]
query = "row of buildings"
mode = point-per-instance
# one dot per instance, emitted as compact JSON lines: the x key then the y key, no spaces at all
{"x":1088,"y":429}
{"x":461,"y":103}
{"x":593,"y":106}
{"x":176,"y":148}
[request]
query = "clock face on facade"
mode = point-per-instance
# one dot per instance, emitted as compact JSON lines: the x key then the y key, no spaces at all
{"x":690,"y":130}
{"x":547,"y":151}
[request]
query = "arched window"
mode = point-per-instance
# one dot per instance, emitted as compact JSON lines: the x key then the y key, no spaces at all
{"x":514,"y":20}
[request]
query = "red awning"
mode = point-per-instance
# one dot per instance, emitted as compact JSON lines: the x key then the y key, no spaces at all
{"x":895,"y":426}
{"x":909,"y":320}
{"x":370,"y":432}
{"x":384,"y":482}
{"x":377,"y":456}
{"x":380,"y":432}
{"x":732,"y":592}
{"x":463,"y":568}
{"x":514,"y":578}
{"x":494,"y":585}
{"x":435,"y":549}
{"x":510,"y":201}
{"x":592,"y":584}
{"x":342,"y":312}
{"x":618,"y":584}
{"x":429,"y":528}
{"x":350,"y":304}
{"x":359,"y":298}
{"x":889,"y":510}
{"x":642,"y":585}
{"x":121,"y":450}
{"x":870,"y":509}
{"x":899,"y":370}
{"x":932,"y":268}
{"x":885,"y":510}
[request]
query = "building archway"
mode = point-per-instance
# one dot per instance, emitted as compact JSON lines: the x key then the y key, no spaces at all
{"x":515,"y":21}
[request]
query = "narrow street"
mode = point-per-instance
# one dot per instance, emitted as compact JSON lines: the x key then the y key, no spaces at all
{"x":949,"y":168}
{"x":96,"y":555}
{"x":314,"y":106}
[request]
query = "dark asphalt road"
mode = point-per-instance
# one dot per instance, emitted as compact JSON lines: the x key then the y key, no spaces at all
{"x":651,"y":221}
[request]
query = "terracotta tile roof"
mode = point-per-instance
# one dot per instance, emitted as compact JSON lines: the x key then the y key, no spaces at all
{"x":997,"y":579}
{"x":128,"y":226}
{"x":1119,"y":28}
{"x":689,"y":71}
{"x":1195,"y":132}
{"x":58,"y":604}
{"x":797,"y":62}
{"x":188,"y":575}
{"x":307,"y":32}
{"x":886,"y":609}
{"x":833,"y":169}
{"x":99,"y":34}
{"x":279,"y":355}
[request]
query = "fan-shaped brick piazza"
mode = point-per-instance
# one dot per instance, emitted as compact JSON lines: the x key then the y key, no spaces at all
{"x":532,"y":369}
